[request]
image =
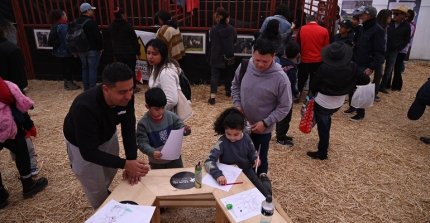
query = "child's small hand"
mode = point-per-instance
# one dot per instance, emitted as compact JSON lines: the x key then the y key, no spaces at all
{"x":157,"y":155}
{"x":221,"y":180}
{"x":256,"y":162}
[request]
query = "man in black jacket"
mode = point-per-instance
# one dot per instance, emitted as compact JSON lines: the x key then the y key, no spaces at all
{"x":369,"y":48}
{"x":90,"y":59}
{"x":91,"y":139}
{"x":398,"y":35}
{"x":422,"y":100}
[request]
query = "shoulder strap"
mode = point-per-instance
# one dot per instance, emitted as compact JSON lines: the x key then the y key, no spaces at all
{"x":243,"y":67}
{"x":85,"y":22}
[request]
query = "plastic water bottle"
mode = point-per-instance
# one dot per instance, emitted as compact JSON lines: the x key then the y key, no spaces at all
{"x":198,"y":176}
{"x":267,"y":210}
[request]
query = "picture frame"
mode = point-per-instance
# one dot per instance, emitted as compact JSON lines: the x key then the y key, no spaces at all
{"x":243,"y":45}
{"x":41,"y":37}
{"x":194,"y":43}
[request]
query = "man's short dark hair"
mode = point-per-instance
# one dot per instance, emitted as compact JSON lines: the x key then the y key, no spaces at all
{"x":155,"y":97}
{"x":265,"y":46}
{"x":116,"y":72}
{"x":292,"y":49}
{"x":282,"y":9}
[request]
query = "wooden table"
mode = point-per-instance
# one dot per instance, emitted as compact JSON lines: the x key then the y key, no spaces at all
{"x":155,"y":189}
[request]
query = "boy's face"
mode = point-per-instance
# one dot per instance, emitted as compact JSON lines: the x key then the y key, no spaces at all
{"x":262,"y":62}
{"x":155,"y":113}
{"x":233,"y":134}
{"x":344,"y":29}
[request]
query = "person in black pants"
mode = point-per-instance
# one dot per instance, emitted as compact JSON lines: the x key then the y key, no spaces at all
{"x":422,"y":100}
{"x":125,"y":46}
{"x":289,"y":65}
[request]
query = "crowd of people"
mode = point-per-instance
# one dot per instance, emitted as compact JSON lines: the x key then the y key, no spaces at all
{"x":263,"y":90}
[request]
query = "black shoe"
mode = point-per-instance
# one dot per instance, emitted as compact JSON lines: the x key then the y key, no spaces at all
{"x":383,"y":91}
{"x":32,"y":187}
{"x":70,"y":86}
{"x":357,"y":117}
{"x":211,"y":101}
{"x":285,"y":142}
{"x":315,"y":155}
{"x":4,"y":195}
{"x":350,"y":110}
{"x":425,"y":140}
{"x":377,"y":98}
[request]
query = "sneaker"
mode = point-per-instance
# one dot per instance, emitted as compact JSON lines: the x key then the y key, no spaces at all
{"x":357,"y":117}
{"x":211,"y":101}
{"x":425,"y":140}
{"x":70,"y":86}
{"x":383,"y":91}
{"x":285,"y":142}
{"x":377,"y":98}
{"x":315,"y":155}
{"x":34,"y":171}
{"x":264,"y":177}
{"x":349,"y":110}
{"x":32,"y":187}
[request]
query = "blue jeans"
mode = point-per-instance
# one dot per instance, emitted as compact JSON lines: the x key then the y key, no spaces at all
{"x":261,"y":142}
{"x":390,"y":60}
{"x":90,"y":63}
{"x":323,"y":120}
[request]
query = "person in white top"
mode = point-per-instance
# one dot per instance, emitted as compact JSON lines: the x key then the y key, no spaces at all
{"x":165,"y":71}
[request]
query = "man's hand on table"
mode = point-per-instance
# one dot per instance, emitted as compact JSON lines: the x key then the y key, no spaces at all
{"x":134,"y":170}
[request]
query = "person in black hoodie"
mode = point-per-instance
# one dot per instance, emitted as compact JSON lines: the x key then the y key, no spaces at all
{"x":125,"y":46}
{"x":398,"y":36}
{"x":422,"y":100}
{"x":346,"y":34}
{"x":90,"y":59}
{"x":222,"y":38}
{"x":334,"y":79}
{"x":368,"y":50}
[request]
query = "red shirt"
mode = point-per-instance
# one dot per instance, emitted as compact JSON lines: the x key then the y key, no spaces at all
{"x":312,"y":38}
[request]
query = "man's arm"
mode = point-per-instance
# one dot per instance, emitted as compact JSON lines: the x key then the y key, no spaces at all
{"x":128,"y":132}
{"x":284,"y":103}
{"x":378,"y":49}
{"x":235,"y":88}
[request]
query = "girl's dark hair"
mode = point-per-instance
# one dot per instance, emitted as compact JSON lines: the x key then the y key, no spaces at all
{"x":382,"y":17}
{"x":230,"y":118}
{"x":56,"y":15}
{"x":166,"y":18}
{"x":165,"y":59}
{"x":222,"y":15}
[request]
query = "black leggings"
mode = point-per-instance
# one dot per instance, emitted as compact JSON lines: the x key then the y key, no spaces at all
{"x":18,"y":146}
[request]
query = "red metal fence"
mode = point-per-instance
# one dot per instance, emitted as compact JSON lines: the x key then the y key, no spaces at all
{"x":245,"y":15}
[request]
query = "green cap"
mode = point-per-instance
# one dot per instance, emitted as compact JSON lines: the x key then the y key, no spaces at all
{"x":229,"y":206}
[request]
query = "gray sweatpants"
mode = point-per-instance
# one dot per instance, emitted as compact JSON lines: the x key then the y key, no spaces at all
{"x":95,"y":179}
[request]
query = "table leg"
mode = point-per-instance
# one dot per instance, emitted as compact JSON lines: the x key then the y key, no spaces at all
{"x":220,"y":216}
{"x":156,"y":217}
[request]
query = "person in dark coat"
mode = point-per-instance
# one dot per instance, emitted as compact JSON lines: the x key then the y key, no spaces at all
{"x":222,"y":39}
{"x":398,"y":36}
{"x":125,"y":46}
{"x":422,"y":100}
{"x":369,"y":49}
{"x":334,"y":79}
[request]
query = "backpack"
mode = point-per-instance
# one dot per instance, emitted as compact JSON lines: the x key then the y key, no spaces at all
{"x":76,"y":40}
{"x":53,"y":38}
{"x":185,"y":85}
{"x":243,"y":67}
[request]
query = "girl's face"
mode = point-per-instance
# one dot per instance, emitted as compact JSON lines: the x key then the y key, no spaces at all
{"x":64,"y":16}
{"x":153,"y":56}
{"x":233,"y":134}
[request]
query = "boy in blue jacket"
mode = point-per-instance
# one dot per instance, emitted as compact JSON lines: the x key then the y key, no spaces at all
{"x":289,"y":65}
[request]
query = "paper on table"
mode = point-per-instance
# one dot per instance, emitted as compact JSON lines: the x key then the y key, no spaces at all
{"x":230,"y":172}
{"x":117,"y":212}
{"x":246,"y":204}
{"x":172,"y":149}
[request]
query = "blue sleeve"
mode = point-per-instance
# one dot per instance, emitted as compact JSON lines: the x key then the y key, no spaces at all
{"x":210,"y":164}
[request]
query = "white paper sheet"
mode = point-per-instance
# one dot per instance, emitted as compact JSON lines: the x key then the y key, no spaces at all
{"x":246,"y":204}
{"x":172,"y":149}
{"x":231,"y":173}
{"x":115,"y":212}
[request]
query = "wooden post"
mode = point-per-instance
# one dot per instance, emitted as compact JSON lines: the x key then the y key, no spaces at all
{"x":22,"y":39}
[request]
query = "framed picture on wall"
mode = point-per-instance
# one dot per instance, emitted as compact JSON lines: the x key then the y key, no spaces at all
{"x":243,"y":45}
{"x":194,"y":43}
{"x":41,"y":37}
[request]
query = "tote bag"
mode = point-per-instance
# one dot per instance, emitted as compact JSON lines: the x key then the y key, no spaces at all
{"x":307,"y":121}
{"x":363,"y":96}
{"x":183,"y":109}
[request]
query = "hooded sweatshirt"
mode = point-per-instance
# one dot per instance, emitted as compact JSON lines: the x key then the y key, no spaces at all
{"x":262,"y":95}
